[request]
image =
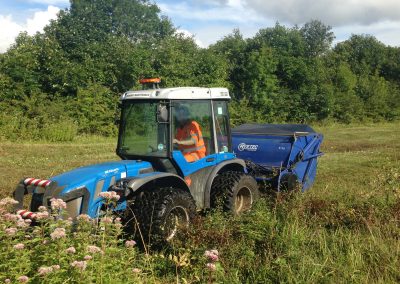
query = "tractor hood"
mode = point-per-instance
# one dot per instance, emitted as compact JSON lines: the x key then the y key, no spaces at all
{"x":109,"y":172}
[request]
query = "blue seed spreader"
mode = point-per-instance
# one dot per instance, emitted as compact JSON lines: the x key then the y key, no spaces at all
{"x":280,"y":156}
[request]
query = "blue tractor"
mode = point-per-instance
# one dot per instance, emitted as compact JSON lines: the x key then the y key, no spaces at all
{"x":160,"y":188}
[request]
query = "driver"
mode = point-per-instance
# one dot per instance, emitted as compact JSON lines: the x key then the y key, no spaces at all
{"x":189,"y":137}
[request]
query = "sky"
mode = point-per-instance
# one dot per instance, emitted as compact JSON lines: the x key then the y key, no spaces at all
{"x":210,"y":20}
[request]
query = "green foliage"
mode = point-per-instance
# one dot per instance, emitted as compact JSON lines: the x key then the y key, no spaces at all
{"x":95,"y":50}
{"x":318,"y":38}
{"x":17,"y":127}
{"x":95,"y":108}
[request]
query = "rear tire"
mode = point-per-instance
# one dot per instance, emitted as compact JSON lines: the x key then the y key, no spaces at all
{"x":235,"y":191}
{"x":157,"y":216}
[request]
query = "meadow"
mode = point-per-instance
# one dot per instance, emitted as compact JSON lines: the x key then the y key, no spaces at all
{"x":345,"y":229}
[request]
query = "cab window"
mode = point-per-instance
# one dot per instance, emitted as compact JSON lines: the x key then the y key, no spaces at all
{"x":222,"y":126}
{"x":200,"y":112}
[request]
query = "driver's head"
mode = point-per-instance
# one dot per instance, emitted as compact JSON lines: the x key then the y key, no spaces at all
{"x":182,"y":114}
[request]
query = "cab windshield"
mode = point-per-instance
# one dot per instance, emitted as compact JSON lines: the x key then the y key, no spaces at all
{"x":141,"y":134}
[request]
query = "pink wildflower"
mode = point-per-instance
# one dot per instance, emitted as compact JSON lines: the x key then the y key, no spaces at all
{"x":212,"y":255}
{"x":107,"y":220}
{"x":45,"y":242}
{"x":130,"y":244}
{"x":7,"y":281}
{"x":42,"y":215}
{"x":12,"y":217}
{"x":83,"y":217}
{"x":55,"y":267}
{"x":211,"y":266}
{"x":94,"y":249}
{"x":11,"y":231}
{"x":58,"y":204}
{"x":81,"y":265}
{"x":21,"y":223}
{"x":70,"y":250}
{"x":136,"y":270}
{"x":42,"y":209}
{"x":19,"y":246}
{"x":23,"y":279}
{"x":44,"y":270}
{"x":87,"y":257}
{"x":28,"y":221}
{"x":118,"y":220}
{"x":110,"y":195}
{"x":8,"y":201}
{"x":58,"y":233}
{"x":214,"y":251}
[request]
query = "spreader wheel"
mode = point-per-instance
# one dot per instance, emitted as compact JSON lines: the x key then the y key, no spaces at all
{"x":235,"y":191}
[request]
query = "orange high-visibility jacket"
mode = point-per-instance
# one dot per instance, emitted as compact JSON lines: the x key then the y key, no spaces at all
{"x":191,"y":130}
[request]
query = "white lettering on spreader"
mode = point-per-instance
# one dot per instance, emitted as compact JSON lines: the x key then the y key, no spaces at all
{"x":247,"y":147}
{"x":111,"y":171}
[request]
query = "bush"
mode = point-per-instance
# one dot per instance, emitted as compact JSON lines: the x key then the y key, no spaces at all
{"x":17,"y":127}
{"x":62,"y":131}
{"x":20,"y":128}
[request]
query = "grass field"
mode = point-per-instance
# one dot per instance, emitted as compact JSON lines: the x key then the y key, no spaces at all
{"x":345,"y":229}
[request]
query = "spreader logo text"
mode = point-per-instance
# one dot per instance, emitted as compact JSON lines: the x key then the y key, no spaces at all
{"x":247,"y":147}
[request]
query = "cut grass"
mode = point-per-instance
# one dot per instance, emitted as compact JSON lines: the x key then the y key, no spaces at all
{"x":345,"y":229}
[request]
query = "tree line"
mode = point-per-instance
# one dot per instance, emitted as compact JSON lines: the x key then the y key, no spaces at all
{"x":67,"y":79}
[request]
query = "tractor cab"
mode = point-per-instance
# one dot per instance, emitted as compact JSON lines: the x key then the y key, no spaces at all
{"x":151,"y":121}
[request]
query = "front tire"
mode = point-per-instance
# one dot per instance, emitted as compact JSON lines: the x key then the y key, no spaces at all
{"x":158,"y":216}
{"x":235,"y":191}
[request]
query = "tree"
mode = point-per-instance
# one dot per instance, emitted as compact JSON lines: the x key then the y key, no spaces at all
{"x":88,"y":21}
{"x":318,"y":38}
{"x":364,"y":53}
{"x":232,"y":48}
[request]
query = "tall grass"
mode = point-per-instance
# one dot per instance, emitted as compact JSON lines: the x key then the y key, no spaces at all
{"x":20,"y":128}
{"x":345,"y":229}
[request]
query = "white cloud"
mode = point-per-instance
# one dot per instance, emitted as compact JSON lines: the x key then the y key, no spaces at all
{"x":50,"y":2}
{"x":231,"y":12}
{"x":210,"y":20}
{"x":8,"y":31}
{"x":335,"y":13}
{"x":332,"y":12}
{"x":9,"y":28}
{"x":385,"y":31}
{"x":188,"y":34}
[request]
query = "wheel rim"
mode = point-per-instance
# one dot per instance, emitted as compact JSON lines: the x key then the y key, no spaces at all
{"x":243,"y":200}
{"x":177,"y":218}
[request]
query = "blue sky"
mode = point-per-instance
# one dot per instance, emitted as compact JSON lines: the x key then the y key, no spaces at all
{"x":209,"y":20}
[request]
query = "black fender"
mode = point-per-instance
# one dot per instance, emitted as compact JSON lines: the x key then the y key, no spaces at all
{"x":229,"y":165}
{"x":157,"y":180}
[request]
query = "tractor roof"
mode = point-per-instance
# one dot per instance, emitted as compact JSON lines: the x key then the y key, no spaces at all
{"x":182,"y":93}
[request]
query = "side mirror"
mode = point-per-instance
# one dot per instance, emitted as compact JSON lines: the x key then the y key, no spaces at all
{"x":162,"y":113}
